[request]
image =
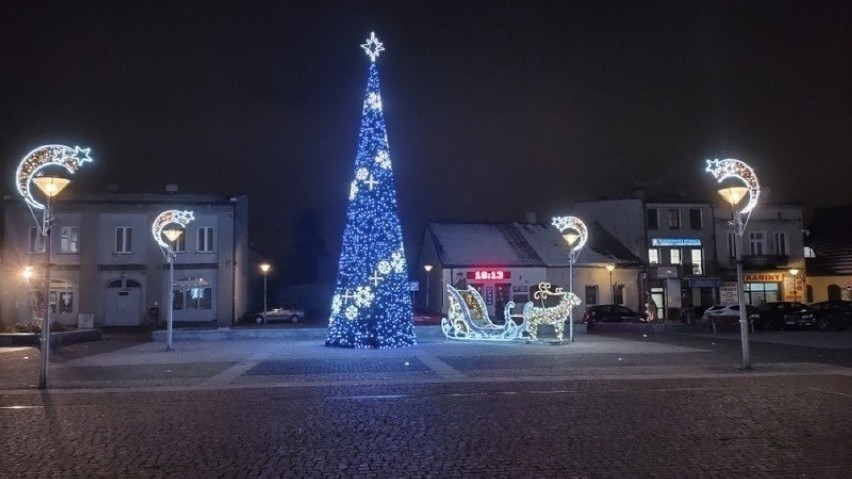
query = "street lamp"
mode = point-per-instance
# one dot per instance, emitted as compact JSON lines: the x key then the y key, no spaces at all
{"x":794,"y":272}
{"x":609,"y":268}
{"x":574,"y":233}
{"x":428,"y":268}
{"x":29,"y":171}
{"x":736,"y":169}
{"x":171,"y":224}
{"x":264,"y":270}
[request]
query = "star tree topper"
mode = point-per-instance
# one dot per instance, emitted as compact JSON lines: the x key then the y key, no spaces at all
{"x":373,"y":47}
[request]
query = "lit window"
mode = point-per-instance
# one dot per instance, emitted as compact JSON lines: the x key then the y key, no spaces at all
{"x":653,"y":256}
{"x":697,"y":261}
{"x":674,"y":256}
{"x":68,"y":239}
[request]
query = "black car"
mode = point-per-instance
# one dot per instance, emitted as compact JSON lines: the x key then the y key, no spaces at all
{"x":772,"y":315}
{"x":833,"y":314}
{"x":611,"y":313}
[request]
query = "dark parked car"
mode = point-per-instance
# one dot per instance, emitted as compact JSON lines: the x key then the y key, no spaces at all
{"x":289,"y":312}
{"x":611,"y":313}
{"x":833,"y":314}
{"x":773,"y":315}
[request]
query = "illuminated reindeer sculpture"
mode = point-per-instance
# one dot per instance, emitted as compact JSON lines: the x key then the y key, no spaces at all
{"x":556,"y":315}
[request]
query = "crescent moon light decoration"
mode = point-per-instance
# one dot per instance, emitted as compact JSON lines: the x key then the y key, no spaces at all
{"x":563,"y":223}
{"x":167,"y":217}
{"x":71,"y":158}
{"x":731,"y":168}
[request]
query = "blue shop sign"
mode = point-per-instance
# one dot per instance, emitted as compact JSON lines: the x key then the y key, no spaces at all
{"x":675,"y":242}
{"x":705,"y":282}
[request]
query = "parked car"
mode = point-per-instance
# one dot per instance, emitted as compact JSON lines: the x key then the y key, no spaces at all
{"x":833,"y":314}
{"x":801,"y":318}
{"x":611,"y":313}
{"x":726,"y":313}
{"x":773,"y":315}
{"x":287,"y":312}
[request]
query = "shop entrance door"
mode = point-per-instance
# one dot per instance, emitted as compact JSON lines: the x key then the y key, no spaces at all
{"x":658,"y":296}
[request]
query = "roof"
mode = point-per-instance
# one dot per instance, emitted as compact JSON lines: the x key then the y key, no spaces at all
{"x":831,"y":239}
{"x":521,"y":245}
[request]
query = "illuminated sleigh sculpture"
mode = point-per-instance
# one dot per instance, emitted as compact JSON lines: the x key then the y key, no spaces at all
{"x":534,"y":316}
{"x":468,"y":319}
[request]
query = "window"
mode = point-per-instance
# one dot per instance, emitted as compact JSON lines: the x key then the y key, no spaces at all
{"x":123,"y":239}
{"x":177,"y":300}
{"x":205,"y":239}
{"x":193,"y":298}
{"x":652,"y":219}
{"x":66,"y":302}
{"x":36,"y":240}
{"x":618,"y":292}
{"x":757,"y":242}
{"x":591,"y":295}
{"x":809,"y":252}
{"x":674,"y":219}
{"x":674,"y":256}
{"x":697,"y":261}
{"x":180,"y":244}
{"x":68,"y":239}
{"x":781,"y":244}
{"x":732,"y":244}
{"x":653,"y":256}
{"x":695,"y":218}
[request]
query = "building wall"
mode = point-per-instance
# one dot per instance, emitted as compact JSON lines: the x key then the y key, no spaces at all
{"x":120,"y":287}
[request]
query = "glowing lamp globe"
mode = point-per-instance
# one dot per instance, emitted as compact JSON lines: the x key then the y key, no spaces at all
{"x":172,"y":234}
{"x":571,"y":237}
{"x":264,"y":267}
{"x":733,"y":194}
{"x":51,"y":185}
{"x":610,"y":267}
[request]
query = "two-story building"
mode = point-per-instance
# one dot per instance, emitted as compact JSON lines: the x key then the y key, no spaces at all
{"x":106,"y":267}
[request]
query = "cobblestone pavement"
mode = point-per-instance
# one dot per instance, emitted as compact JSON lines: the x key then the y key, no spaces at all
{"x":604,"y":406}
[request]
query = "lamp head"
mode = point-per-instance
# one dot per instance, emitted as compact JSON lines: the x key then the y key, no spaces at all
{"x":427,"y":267}
{"x":28,"y":272}
{"x":610,"y":267}
{"x":51,"y":185}
{"x":172,"y":234}
{"x":265,"y":267}
{"x":794,"y":271}
{"x":571,"y":238}
{"x":733,"y":194}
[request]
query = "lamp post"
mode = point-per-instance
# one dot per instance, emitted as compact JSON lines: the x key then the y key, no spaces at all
{"x":29,"y":171}
{"x":574,"y":233}
{"x":428,"y":268}
{"x":170,"y":224}
{"x":736,"y":169}
{"x":609,"y":268}
{"x":264,"y":270}
{"x":794,"y":272}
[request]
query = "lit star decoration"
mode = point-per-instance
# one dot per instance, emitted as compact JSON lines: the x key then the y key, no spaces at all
{"x":43,"y":157}
{"x":563,"y":223}
{"x":373,"y":47}
{"x":168,"y":217}
{"x":371,"y":306}
{"x":731,"y":168}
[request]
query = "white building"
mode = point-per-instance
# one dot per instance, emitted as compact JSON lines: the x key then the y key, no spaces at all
{"x":504,"y":260}
{"x":106,"y":266}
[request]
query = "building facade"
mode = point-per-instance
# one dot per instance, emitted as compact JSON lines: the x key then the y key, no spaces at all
{"x":505,"y":261}
{"x":107,"y":270}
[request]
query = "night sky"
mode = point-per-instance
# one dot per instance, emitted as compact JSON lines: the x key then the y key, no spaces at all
{"x":493,"y":108}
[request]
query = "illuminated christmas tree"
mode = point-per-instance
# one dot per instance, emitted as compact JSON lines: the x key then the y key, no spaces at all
{"x":371,"y":307}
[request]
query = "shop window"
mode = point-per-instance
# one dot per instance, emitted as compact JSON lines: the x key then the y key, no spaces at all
{"x":652,"y":219}
{"x":653,"y":256}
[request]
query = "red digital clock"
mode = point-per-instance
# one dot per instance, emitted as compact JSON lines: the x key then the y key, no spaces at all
{"x":489,"y":274}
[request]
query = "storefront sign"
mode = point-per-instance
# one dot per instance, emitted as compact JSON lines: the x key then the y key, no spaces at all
{"x":763,"y":277}
{"x":675,"y":242}
{"x":486,"y":274}
{"x":704,"y":282}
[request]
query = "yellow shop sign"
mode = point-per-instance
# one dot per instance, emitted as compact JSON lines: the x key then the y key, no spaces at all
{"x":764,"y":277}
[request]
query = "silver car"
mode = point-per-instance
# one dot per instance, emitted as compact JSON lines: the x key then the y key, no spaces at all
{"x":289,"y":312}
